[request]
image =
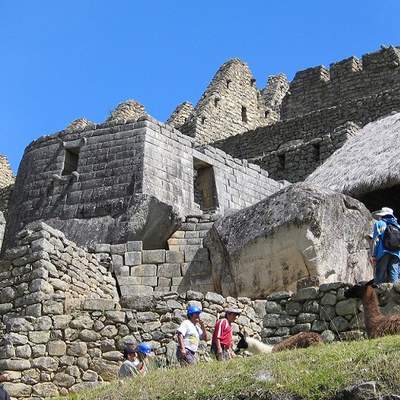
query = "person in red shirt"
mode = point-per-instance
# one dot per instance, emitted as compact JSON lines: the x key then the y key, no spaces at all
{"x":222,"y":340}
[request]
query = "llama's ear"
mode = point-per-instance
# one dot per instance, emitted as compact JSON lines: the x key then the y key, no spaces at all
{"x":240,"y":333}
{"x":370,"y":283}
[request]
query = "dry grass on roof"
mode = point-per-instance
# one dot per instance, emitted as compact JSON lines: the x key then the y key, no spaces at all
{"x":368,"y":161}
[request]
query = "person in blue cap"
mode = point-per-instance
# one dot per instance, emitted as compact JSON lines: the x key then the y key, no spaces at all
{"x":135,"y":360}
{"x":189,"y":334}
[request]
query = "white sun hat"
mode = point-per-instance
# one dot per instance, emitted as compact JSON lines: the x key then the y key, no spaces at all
{"x":383,"y":211}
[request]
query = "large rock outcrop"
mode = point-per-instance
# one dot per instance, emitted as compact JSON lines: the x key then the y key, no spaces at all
{"x":296,"y":233}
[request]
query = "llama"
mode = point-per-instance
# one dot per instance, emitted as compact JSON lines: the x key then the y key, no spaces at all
{"x":376,"y":323}
{"x":300,"y":340}
{"x":252,"y":345}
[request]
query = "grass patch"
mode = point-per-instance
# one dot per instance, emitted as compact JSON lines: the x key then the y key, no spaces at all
{"x":314,"y":373}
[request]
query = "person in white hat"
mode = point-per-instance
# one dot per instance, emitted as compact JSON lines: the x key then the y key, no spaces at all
{"x":386,"y":246}
{"x":222,"y":340}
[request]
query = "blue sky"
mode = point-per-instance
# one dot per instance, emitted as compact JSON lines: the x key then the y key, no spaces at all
{"x":61,"y":60}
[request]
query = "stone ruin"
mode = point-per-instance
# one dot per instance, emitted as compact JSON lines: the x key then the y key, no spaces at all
{"x":111,"y":229}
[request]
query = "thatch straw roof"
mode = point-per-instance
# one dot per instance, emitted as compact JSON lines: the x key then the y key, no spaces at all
{"x":366,"y":162}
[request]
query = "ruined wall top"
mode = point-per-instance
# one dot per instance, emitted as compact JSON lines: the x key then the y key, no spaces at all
{"x":320,"y":87}
{"x":6,"y":174}
{"x":232,"y":104}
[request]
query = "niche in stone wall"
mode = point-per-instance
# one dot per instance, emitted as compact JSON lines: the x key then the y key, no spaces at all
{"x":205,"y":193}
{"x":244,"y":114}
{"x":316,"y":152}
{"x":71,"y":159}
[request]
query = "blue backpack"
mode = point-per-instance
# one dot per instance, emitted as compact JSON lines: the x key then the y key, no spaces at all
{"x":391,"y":237}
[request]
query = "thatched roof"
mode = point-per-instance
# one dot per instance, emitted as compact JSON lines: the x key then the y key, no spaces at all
{"x":366,"y":162}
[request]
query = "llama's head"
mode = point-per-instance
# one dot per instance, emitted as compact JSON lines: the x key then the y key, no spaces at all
{"x":358,"y":290}
{"x":242,"y":343}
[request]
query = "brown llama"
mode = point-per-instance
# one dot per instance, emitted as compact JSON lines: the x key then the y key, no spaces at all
{"x":300,"y":340}
{"x":376,"y":323}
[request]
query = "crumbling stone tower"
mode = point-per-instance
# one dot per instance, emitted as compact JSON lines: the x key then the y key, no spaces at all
{"x":6,"y":185}
{"x":231,"y":104}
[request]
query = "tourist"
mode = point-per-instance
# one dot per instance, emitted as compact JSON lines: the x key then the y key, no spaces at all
{"x":189,"y":334}
{"x":3,"y":392}
{"x":222,"y":340}
{"x":386,"y":246}
{"x":135,"y":360}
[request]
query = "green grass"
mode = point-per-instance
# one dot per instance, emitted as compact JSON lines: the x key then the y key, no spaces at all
{"x":314,"y":373}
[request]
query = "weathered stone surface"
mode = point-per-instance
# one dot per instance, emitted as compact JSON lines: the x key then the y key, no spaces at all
{"x":18,"y":389}
{"x":283,"y":237}
{"x":45,"y":389}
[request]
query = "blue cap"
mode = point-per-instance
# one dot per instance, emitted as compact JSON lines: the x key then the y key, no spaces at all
{"x":144,"y":348}
{"x":193,"y":310}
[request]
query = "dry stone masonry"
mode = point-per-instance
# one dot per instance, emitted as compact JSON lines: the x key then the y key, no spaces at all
{"x":112,"y":229}
{"x":63,"y":327}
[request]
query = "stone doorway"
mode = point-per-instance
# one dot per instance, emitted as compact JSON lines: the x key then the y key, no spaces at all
{"x":387,"y":197}
{"x":205,"y":193}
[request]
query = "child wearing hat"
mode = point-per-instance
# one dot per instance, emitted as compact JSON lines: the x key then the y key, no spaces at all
{"x":135,"y":360}
{"x":222,"y":340}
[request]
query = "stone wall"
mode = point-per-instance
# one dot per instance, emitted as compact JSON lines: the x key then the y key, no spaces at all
{"x":319,"y":87}
{"x":232,"y":104}
{"x":238,"y":183}
{"x":2,"y":229}
{"x":180,"y":115}
{"x":265,"y":145}
{"x":6,"y":175}
{"x":185,"y":265}
{"x":116,"y":183}
{"x":6,"y":183}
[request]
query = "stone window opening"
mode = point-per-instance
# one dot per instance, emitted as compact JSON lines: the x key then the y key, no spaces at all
{"x":228,"y":82}
{"x":252,"y":82}
{"x":244,"y":114}
{"x":316,"y":147}
{"x":282,"y":161}
{"x":205,"y":192}
{"x":71,"y":160}
{"x":216,"y":102}
{"x":203,"y":120}
{"x":266,"y":113}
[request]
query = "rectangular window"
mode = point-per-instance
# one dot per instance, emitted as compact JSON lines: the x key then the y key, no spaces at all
{"x":282,"y":161}
{"x":71,"y":159}
{"x":244,"y":114}
{"x":316,"y":152}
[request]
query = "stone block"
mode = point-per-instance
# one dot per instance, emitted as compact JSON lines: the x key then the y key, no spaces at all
{"x":149,"y":280}
{"x":169,"y":270}
{"x":48,"y":364}
{"x":347,"y":307}
{"x":136,"y":290}
{"x":39,"y":337}
{"x":144,"y":270}
{"x":118,"y":249}
{"x":215,"y":298}
{"x":134,"y":246}
{"x":45,"y":390}
{"x":117,"y":260}
{"x":17,"y":390}
{"x":77,"y":349}
{"x":164,"y":282}
{"x":303,"y":318}
{"x":174,"y":256}
{"x":328,"y":299}
{"x":102,"y":248}
{"x":307,"y":293}
{"x":176,"y":281}
{"x":153,"y":256}
{"x":276,"y":321}
{"x":99,"y":304}
{"x":133,"y":258}
{"x":57,"y":348}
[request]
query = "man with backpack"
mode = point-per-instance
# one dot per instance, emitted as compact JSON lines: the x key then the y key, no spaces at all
{"x":386,"y":247}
